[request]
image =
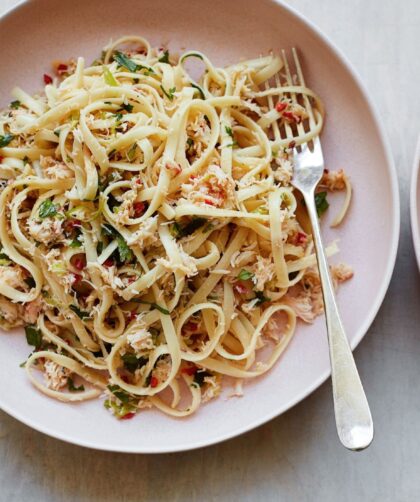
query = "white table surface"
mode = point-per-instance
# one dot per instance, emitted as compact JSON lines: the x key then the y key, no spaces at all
{"x":296,"y":456}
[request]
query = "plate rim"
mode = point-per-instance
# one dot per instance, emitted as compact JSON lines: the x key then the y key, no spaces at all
{"x":414,"y":203}
{"x":395,"y":230}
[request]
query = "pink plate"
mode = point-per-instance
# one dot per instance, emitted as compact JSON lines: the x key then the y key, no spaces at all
{"x":36,"y":33}
{"x":415,"y":203}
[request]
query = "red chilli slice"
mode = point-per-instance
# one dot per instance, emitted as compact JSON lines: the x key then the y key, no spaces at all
{"x":281,"y":106}
{"x":79,"y":263}
{"x":190,"y":370}
{"x":62,"y":68}
{"x":139,"y":208}
{"x":154,"y":382}
{"x":47,"y":79}
{"x":128,"y":416}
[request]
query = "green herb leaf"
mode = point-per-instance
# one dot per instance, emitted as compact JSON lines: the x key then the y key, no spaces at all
{"x":199,"y":377}
{"x":33,"y":336}
{"x":5,"y":140}
{"x":109,"y":77}
{"x":244,"y":275}
{"x":153,"y":305}
{"x":125,"y":61}
{"x":15,"y":104}
{"x":179,"y":231}
{"x":80,"y":313}
{"x":72,"y":387}
{"x":124,"y":251}
{"x":229,"y":131}
{"x":47,"y":209}
{"x":121,"y":394}
{"x":261,"y":297}
{"x":75,"y":243}
{"x":127,"y":107}
{"x":132,"y":362}
{"x":199,"y":89}
{"x":321,"y":203}
{"x":169,"y":94}
{"x":164,"y":58}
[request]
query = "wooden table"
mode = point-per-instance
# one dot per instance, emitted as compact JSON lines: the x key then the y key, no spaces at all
{"x":296,"y":456}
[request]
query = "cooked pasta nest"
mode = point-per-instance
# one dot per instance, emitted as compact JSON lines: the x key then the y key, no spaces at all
{"x":151,"y":240}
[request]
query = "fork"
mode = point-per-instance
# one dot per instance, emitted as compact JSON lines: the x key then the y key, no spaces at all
{"x":352,"y":413}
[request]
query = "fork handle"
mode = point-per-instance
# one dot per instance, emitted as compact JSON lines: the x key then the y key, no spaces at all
{"x":352,"y":413}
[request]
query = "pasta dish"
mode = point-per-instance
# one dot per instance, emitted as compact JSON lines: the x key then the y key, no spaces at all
{"x":151,"y":241}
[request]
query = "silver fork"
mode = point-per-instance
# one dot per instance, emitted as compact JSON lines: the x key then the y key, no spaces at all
{"x":352,"y":413}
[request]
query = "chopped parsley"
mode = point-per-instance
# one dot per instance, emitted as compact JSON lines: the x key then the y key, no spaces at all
{"x":229,"y":132}
{"x":132,"y":362}
{"x":33,"y":336}
{"x":75,"y":243}
{"x":72,"y":387}
{"x":125,"y":61}
{"x":321,"y":203}
{"x":244,"y":275}
{"x":125,"y":253}
{"x":15,"y":104}
{"x":127,"y":107}
{"x":261,"y":297}
{"x":5,"y":139}
{"x":179,"y":230}
{"x":47,"y":209}
{"x":169,"y":94}
{"x":125,"y":405}
{"x":130,"y":65}
{"x":153,"y":305}
{"x":164,"y":58}
{"x":80,"y":313}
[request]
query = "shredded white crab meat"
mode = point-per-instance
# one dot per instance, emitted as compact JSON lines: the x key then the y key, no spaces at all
{"x":213,"y":188}
{"x":108,"y":275}
{"x":341,"y":272}
{"x":10,"y":314}
{"x":188,"y":265}
{"x":334,"y":180}
{"x":306,"y":297}
{"x":32,"y":310}
{"x":162,"y":369}
{"x":147,"y":234}
{"x":241,"y":258}
{"x":12,"y":276}
{"x":283,"y":173}
{"x":46,"y":231}
{"x":56,"y":376}
{"x":212,"y":388}
{"x":264,"y":270}
{"x":55,"y":169}
{"x":141,"y":340}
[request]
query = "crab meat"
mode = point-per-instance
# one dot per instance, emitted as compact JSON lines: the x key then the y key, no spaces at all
{"x":55,"y":376}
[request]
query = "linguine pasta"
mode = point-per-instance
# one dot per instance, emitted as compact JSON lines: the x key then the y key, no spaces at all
{"x":151,"y":240}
